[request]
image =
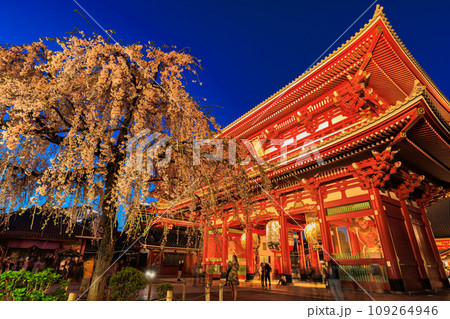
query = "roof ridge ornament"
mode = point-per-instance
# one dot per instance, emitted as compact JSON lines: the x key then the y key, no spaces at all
{"x":378,"y":11}
{"x":418,"y":89}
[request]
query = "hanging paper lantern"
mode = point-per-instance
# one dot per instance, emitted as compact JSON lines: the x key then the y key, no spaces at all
{"x":273,"y":230}
{"x":312,"y":233}
{"x":256,"y":241}
{"x":273,"y":235}
{"x":312,"y":230}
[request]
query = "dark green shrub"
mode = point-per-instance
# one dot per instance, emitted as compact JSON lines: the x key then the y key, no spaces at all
{"x":25,"y":286}
{"x":163,"y":288}
{"x":126,"y":284}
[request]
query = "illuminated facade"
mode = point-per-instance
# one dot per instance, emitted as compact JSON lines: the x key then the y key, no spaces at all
{"x":367,"y":140}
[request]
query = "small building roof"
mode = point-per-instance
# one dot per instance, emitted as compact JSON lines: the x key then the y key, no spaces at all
{"x":39,"y":225}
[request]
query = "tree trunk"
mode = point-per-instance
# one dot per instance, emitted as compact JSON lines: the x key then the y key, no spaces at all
{"x":105,"y":252}
{"x":105,"y":255}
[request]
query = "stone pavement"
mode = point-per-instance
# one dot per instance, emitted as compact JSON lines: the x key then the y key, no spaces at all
{"x":252,"y":291}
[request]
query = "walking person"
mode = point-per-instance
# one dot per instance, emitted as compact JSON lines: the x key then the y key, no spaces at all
{"x":180,"y":270}
{"x":17,"y":264}
{"x":24,"y":264}
{"x":196,"y":275}
{"x":6,"y":264}
{"x":229,"y":266}
{"x":10,"y":264}
{"x":233,"y":277}
{"x":267,"y":269}
{"x":62,"y":269}
{"x":323,"y":272}
{"x":30,"y":264}
{"x":263,"y":274}
{"x":334,"y":282}
{"x":38,"y":265}
{"x":202,"y":274}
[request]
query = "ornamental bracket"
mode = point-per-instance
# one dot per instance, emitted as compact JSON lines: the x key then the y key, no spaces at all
{"x":411,"y":181}
{"x":379,"y":169}
{"x":312,"y":187}
{"x":431,"y":194}
{"x":356,"y":96}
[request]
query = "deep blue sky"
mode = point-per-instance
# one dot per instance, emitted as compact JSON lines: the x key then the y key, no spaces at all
{"x":249,"y":49}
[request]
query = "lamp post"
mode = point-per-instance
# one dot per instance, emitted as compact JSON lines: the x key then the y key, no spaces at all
{"x":150,"y":275}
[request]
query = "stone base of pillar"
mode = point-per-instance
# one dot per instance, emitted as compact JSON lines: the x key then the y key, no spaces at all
{"x":445,"y":282}
{"x":304,"y":277}
{"x":426,"y":283}
{"x":397,"y":285}
{"x":250,"y":277}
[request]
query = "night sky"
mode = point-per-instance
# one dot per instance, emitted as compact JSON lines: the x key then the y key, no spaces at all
{"x":249,"y":49}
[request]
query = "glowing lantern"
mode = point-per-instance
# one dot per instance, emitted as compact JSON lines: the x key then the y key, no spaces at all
{"x":273,"y":235}
{"x":273,"y":230}
{"x":312,"y":229}
{"x":257,"y":145}
{"x":311,"y":233}
{"x":256,"y":241}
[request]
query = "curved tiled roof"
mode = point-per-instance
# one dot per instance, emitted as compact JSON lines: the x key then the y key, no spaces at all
{"x":377,"y":16}
{"x":40,"y":227}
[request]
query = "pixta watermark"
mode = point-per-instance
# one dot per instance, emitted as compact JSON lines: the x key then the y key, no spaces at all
{"x":149,"y":151}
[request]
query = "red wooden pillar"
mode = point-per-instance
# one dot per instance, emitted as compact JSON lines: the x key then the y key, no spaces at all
{"x":83,"y":247}
{"x":354,"y":243}
{"x":193,"y":262}
{"x":314,"y":258}
{"x":393,"y":269}
{"x":277,"y":265}
{"x":301,"y":253}
{"x":205,"y":247}
{"x":413,"y":240}
{"x":430,"y":236}
{"x":285,"y":254}
{"x":161,"y":260}
{"x":187,"y":261}
{"x":324,"y":229}
{"x":224,"y":245}
{"x":196,"y":259}
{"x":250,"y":262}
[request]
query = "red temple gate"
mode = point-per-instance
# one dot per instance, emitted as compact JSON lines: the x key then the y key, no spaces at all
{"x":366,"y":148}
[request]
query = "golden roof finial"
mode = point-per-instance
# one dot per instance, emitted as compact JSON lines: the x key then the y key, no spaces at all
{"x":378,"y":11}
